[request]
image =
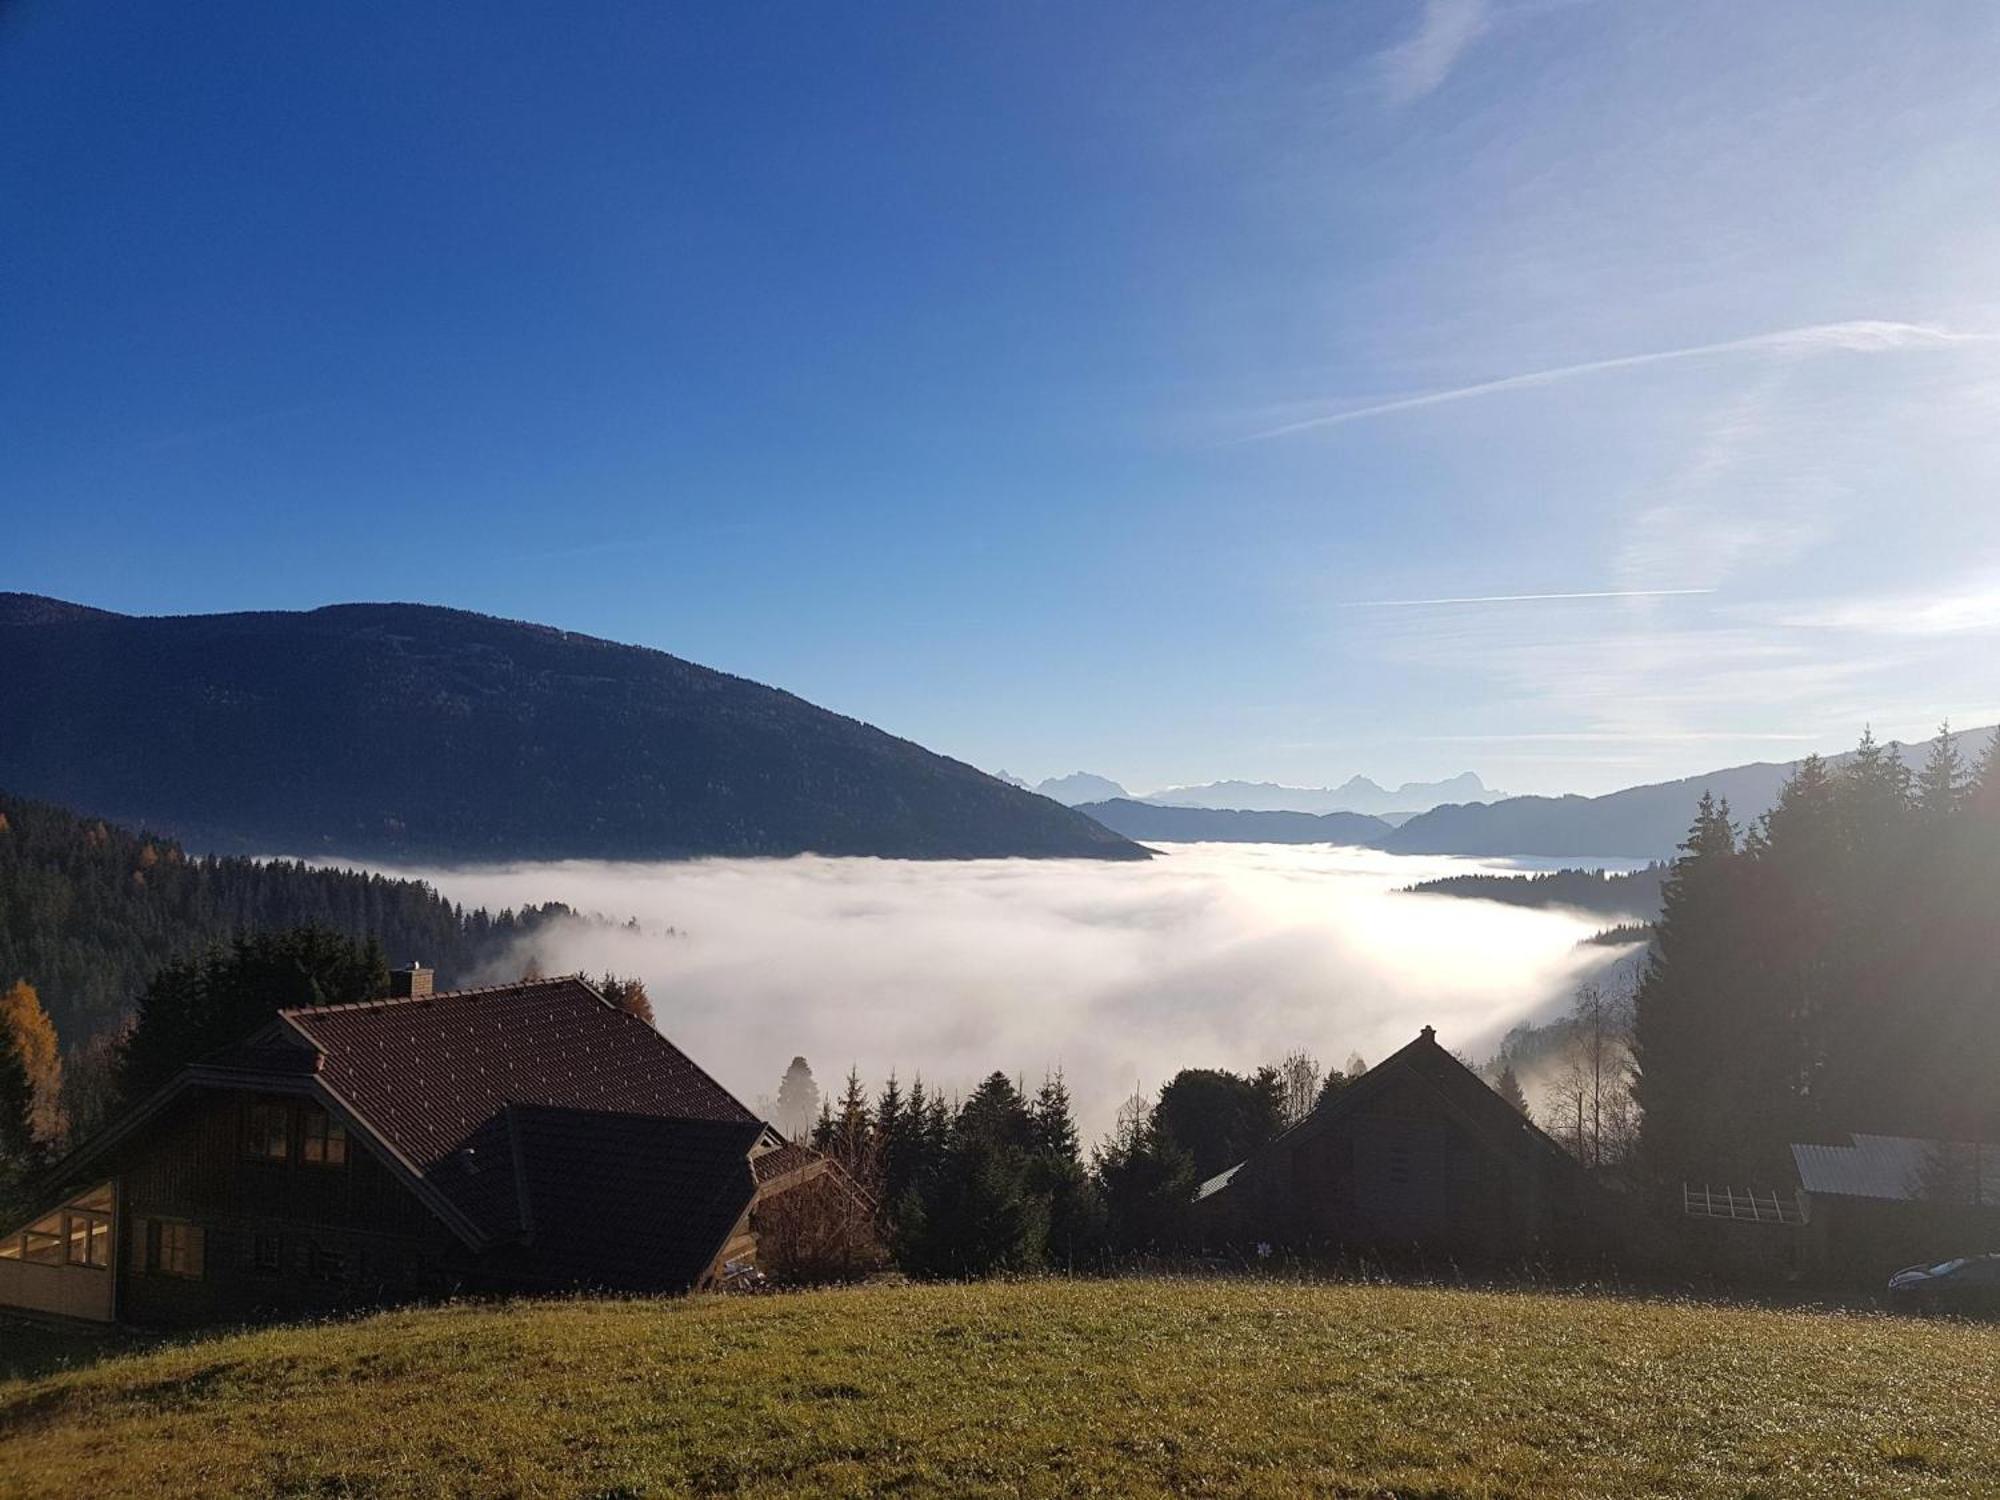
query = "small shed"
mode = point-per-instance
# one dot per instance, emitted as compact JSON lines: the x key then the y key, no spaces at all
{"x":1876,"y":1202}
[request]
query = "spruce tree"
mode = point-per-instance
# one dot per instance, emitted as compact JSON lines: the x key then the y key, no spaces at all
{"x":223,"y":995}
{"x":1681,"y":1025}
{"x":1053,"y":1121}
{"x":1941,"y":784}
{"x":798,"y":1102}
{"x":853,"y":1144}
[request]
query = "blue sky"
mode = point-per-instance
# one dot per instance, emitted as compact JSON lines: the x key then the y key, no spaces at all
{"x":1059,"y":385}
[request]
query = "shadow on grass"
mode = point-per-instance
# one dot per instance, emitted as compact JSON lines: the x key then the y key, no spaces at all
{"x":30,"y":1347}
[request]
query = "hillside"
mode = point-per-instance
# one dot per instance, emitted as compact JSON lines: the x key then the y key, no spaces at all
{"x":412,"y":732}
{"x":1040,"y":1388}
{"x":1630,"y":893}
{"x":1641,"y":822}
{"x":1146,"y":821}
{"x":89,"y":911}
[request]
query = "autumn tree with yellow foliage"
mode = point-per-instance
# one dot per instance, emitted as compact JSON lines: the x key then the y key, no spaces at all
{"x":33,"y":1039}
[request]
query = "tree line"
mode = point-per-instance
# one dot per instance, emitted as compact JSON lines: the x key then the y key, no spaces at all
{"x":90,"y":912}
{"x":1000,"y":1181}
{"x":1833,"y":969}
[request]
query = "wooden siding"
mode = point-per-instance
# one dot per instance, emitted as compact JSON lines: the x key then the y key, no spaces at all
{"x":279,"y":1238}
{"x":1401,"y":1172}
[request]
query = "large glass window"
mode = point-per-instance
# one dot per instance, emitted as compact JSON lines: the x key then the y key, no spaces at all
{"x":267,"y":1130}
{"x":322,"y":1139}
{"x":77,"y":1234}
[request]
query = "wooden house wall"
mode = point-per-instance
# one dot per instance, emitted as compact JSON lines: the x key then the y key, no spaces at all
{"x":344,"y":1235}
{"x":1400,"y":1171}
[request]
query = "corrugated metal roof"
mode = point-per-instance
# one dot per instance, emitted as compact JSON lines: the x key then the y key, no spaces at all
{"x":1216,"y":1183}
{"x":1893,"y":1167}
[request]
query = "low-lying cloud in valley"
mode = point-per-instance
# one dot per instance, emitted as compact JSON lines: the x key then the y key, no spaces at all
{"x":1119,"y":974}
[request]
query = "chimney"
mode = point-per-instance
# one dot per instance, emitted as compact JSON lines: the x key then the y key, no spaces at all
{"x":412,"y":983}
{"x":1429,"y":1033}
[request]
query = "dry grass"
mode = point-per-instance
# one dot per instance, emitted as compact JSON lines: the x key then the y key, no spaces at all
{"x":1044,"y":1388}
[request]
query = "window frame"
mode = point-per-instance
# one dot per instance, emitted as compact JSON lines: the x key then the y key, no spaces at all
{"x":189,"y":1258}
{"x":323,"y":1139}
{"x":92,"y":1231}
{"x":259,"y":1116}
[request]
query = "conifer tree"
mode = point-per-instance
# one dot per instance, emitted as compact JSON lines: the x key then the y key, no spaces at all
{"x":219,"y":997}
{"x":1054,"y":1131}
{"x":1682,"y":1025}
{"x":853,"y":1143}
{"x":798,"y":1102}
{"x":824,"y":1132}
{"x":1941,"y":784}
{"x":1508,"y":1087}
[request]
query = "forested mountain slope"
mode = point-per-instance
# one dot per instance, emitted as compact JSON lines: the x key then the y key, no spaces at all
{"x":408,"y":731}
{"x":89,"y":911}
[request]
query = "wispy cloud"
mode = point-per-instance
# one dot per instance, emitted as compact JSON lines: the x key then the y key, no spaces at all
{"x":1967,"y":607}
{"x":1447,"y":30}
{"x":1521,"y":598}
{"x":1862,"y":336}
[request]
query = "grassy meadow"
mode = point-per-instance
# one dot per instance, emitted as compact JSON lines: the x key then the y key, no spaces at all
{"x":1044,"y":1388}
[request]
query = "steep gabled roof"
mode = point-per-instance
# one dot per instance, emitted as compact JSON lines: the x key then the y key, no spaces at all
{"x":431,"y":1079}
{"x":1458,"y":1089}
{"x":627,"y":1201}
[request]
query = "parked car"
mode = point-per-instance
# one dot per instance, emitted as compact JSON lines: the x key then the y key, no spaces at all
{"x":1970,"y":1284}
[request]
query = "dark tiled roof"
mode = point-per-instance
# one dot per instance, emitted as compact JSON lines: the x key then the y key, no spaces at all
{"x":432,"y":1077}
{"x":627,"y":1201}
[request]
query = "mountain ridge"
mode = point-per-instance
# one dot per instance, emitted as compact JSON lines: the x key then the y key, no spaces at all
{"x":414,"y":731}
{"x":1152,"y":821}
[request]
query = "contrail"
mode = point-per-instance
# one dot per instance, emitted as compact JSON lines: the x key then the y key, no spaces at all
{"x":1860,"y":337}
{"x":1524,"y":598}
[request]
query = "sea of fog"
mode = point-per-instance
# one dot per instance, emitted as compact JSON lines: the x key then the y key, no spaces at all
{"x":1219,"y":955}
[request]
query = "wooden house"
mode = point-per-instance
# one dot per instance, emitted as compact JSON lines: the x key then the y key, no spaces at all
{"x":525,"y":1138}
{"x":1419,"y":1155}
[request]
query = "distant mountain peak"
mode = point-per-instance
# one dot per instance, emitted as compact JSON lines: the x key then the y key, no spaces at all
{"x":1081,"y":786}
{"x":1358,"y":794}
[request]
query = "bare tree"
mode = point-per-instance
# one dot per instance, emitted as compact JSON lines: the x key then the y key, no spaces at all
{"x":1299,"y":1083}
{"x":1589,"y":1101}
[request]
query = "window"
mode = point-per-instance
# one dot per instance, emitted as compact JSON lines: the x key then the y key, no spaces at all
{"x":89,"y":1240}
{"x":267,"y":1132}
{"x":77,"y":1234}
{"x":174,"y":1248}
{"x":267,"y":1254}
{"x":42,"y":1241}
{"x":322,"y":1140}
